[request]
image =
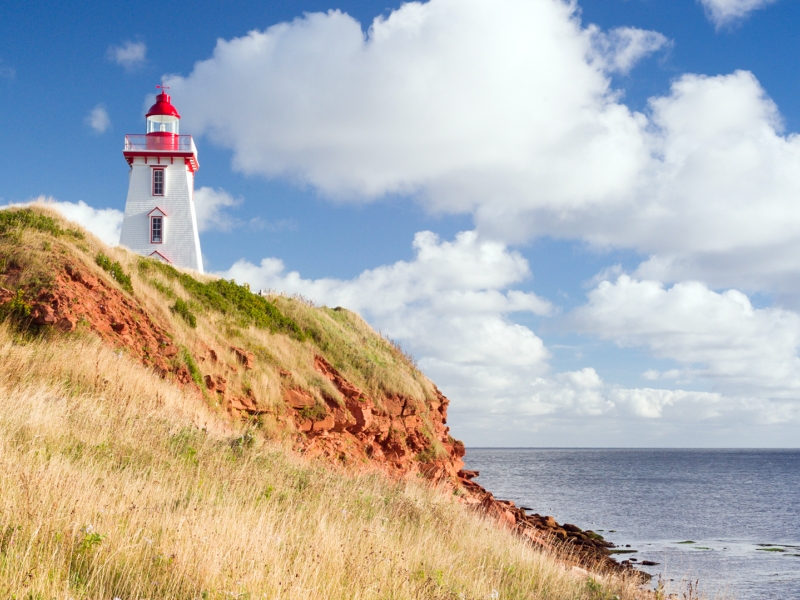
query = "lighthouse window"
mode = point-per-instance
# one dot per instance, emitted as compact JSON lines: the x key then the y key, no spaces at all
{"x":158,"y":182}
{"x":156,"y":230}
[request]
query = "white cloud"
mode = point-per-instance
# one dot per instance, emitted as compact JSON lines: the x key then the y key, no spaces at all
{"x":654,"y":375}
{"x":129,"y":55}
{"x":724,"y":12}
{"x":621,"y":48}
{"x":718,"y":337}
{"x":504,"y":110}
{"x":98,"y":119}
{"x":210,"y":205}
{"x":105,"y":223}
{"x":468,"y":103}
{"x":650,"y":403}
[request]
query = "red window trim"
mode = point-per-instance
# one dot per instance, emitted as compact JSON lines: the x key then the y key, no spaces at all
{"x":151,"y":228}
{"x":153,"y":181}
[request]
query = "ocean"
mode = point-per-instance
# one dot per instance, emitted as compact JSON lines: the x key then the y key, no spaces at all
{"x":729,"y":519}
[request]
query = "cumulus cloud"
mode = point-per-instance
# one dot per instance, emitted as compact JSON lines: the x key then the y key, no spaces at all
{"x":717,"y":336}
{"x":128,"y":55}
{"x":725,"y":12}
{"x":98,"y":119}
{"x":210,"y":205}
{"x":462,"y":101}
{"x":621,"y":48}
{"x":651,"y":403}
{"x":505,"y":111}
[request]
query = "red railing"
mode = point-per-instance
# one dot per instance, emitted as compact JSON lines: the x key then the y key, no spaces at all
{"x":139,"y":142}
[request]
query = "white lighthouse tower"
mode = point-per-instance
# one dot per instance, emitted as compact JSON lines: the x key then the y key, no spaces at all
{"x":160,"y":219}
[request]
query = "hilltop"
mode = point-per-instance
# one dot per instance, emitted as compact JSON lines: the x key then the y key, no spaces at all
{"x":174,"y":435}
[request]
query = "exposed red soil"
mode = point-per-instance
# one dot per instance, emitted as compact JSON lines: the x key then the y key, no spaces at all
{"x":77,"y":297}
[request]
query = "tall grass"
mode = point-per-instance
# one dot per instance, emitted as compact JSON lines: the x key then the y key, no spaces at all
{"x":115,"y":484}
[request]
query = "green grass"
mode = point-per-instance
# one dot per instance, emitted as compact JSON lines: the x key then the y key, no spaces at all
{"x":315,"y":413}
{"x":232,"y":299}
{"x":26,"y":218}
{"x":182,"y":309}
{"x":194,"y":370}
{"x":16,"y":308}
{"x":115,"y":270}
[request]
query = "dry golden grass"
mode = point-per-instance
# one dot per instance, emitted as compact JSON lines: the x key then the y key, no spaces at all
{"x":115,"y":484}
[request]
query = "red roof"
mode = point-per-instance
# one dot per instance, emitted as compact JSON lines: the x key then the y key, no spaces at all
{"x":163,"y":106}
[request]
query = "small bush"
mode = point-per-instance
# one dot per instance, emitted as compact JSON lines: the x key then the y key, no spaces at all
{"x":182,"y":309}
{"x":162,"y":288}
{"x":16,"y":307}
{"x":315,"y":413}
{"x":194,"y":371}
{"x":428,"y":455}
{"x":115,"y":270}
{"x":243,"y":442}
{"x":91,"y":539}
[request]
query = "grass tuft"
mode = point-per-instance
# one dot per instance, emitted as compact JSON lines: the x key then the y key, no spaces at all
{"x":115,"y":270}
{"x":182,"y":308}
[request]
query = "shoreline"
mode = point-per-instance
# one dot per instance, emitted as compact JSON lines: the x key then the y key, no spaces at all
{"x":585,"y":548}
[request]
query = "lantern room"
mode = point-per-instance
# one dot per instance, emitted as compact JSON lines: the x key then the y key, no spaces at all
{"x":163,"y":118}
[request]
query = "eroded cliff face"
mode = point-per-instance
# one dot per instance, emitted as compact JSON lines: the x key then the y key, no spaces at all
{"x":396,"y":434}
{"x":400,"y":435}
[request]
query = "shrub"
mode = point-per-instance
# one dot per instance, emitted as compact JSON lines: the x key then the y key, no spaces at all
{"x":182,"y":309}
{"x":315,"y":413}
{"x":116,"y":272}
{"x":17,"y":307}
{"x":194,"y":371}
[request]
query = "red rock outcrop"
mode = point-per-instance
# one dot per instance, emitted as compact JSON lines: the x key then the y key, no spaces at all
{"x":396,"y":434}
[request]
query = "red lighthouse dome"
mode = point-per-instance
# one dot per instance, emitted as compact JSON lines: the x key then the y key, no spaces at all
{"x":163,"y":107}
{"x":163,"y":123}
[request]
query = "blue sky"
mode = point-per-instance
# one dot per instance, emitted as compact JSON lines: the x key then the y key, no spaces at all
{"x":610,"y":188}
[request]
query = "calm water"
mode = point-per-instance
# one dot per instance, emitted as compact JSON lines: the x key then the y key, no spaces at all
{"x":732,"y":503}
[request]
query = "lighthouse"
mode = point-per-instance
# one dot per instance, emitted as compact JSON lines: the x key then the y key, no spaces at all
{"x":160,"y":219}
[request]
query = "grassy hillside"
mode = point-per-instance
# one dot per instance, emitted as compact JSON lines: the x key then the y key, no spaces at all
{"x":123,"y":475}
